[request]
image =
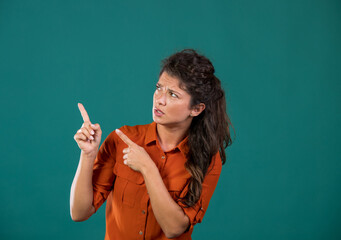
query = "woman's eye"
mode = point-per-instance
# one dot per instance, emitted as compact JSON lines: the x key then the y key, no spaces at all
{"x":173,"y":95}
{"x":158,"y":87}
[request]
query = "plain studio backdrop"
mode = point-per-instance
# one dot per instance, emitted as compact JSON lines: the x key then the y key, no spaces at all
{"x":279,"y":63}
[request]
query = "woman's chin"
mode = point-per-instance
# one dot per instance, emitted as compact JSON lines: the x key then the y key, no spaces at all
{"x":156,"y":119}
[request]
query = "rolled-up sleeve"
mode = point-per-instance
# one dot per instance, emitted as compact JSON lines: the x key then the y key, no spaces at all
{"x":103,"y":177}
{"x":197,"y":212}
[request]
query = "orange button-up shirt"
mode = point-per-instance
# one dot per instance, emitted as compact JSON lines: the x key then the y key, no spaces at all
{"x":129,"y":214}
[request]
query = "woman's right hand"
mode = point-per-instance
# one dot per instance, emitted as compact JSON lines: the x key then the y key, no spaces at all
{"x":88,"y":137}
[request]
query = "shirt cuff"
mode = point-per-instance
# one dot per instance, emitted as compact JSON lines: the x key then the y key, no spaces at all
{"x":98,"y":198}
{"x":194,"y":213}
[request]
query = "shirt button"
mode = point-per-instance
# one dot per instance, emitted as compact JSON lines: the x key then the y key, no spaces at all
{"x":140,"y":232}
{"x":163,"y":157}
{"x":143,"y":212}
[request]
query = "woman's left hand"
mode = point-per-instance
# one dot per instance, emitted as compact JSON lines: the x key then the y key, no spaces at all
{"x":134,"y":156}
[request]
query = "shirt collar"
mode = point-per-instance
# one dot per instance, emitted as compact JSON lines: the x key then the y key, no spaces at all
{"x":151,"y":137}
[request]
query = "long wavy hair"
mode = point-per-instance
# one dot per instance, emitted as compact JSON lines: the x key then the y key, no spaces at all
{"x":209,"y":131}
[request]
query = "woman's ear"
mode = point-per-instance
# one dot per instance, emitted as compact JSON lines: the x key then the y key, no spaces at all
{"x":197,"y":109}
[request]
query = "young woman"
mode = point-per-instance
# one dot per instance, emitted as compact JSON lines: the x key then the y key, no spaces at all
{"x":157,"y":178}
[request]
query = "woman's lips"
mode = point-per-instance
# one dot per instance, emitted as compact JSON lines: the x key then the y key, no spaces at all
{"x":158,"y":112}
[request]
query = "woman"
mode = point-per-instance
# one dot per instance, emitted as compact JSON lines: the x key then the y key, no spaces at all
{"x":157,"y":178}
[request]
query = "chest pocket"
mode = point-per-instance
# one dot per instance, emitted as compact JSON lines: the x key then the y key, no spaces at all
{"x":127,"y":185}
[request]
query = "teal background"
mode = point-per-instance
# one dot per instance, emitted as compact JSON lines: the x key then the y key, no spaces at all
{"x":279,"y":62}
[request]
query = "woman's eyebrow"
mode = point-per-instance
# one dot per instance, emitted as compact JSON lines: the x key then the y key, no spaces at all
{"x":171,"y":90}
{"x":174,"y":91}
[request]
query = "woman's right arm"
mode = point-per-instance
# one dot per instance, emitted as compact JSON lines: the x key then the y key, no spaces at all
{"x":81,"y":194}
{"x":88,"y":139}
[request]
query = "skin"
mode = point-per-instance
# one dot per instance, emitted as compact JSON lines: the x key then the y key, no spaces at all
{"x":88,"y":138}
{"x":175,"y":103}
{"x":172,"y":127}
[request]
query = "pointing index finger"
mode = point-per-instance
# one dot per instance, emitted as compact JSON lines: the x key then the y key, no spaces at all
{"x":85,"y":115}
{"x":124,"y":138}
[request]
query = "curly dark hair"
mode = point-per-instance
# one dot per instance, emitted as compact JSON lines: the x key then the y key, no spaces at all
{"x":209,"y":131}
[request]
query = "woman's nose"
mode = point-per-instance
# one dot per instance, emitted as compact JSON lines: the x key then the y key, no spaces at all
{"x":160,"y":97}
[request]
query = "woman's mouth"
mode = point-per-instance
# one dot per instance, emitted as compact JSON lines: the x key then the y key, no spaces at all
{"x":158,"y":112}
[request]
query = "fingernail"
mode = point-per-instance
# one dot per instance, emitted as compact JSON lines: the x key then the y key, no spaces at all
{"x":92,"y":132}
{"x":93,"y":125}
{"x":91,"y":137}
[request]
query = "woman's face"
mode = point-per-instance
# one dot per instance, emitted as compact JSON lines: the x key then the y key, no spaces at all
{"x":171,"y":104}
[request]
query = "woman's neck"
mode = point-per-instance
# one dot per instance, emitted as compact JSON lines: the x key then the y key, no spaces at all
{"x":170,"y":137}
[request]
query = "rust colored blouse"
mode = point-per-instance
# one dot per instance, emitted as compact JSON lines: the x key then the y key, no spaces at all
{"x":129,"y":214}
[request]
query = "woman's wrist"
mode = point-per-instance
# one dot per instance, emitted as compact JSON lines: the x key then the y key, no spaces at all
{"x":88,"y":157}
{"x":148,"y":168}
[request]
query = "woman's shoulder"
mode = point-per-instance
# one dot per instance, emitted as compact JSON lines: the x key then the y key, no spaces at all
{"x":136,"y":130}
{"x":134,"y":133}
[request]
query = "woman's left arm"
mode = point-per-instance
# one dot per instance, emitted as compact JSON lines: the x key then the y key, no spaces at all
{"x":167,"y":212}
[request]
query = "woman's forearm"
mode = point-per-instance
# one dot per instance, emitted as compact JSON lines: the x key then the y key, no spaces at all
{"x":81,"y":194}
{"x":168,"y":213}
